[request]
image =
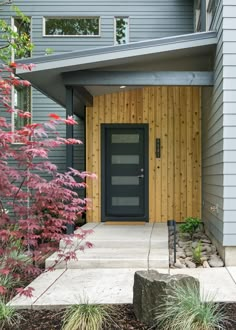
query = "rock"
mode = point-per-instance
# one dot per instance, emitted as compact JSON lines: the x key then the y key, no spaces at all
{"x":181,"y":244}
{"x":206,"y":248}
{"x":178,"y":249}
{"x":180,"y":255}
{"x":206,"y":241}
{"x":190,"y":264}
{"x":185,"y":236}
{"x":213,"y":249}
{"x":151,"y":290}
{"x":188,"y":253}
{"x":204,"y":258}
{"x":179,"y":264}
{"x":205,"y":264}
{"x":215,"y":261}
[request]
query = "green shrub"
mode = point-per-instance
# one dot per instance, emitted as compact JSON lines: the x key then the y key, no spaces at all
{"x":87,"y":317}
{"x":197,"y":254}
{"x":184,"y":309}
{"x":190,"y":225}
{"x":9,"y":317}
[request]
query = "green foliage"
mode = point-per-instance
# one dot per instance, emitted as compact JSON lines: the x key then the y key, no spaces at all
{"x":9,"y":317}
{"x":15,"y":38}
{"x":87,"y":317}
{"x":184,"y":309}
{"x":197,"y":254}
{"x":190,"y":225}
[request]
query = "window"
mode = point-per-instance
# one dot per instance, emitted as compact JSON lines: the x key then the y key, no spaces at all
{"x":22,"y":101}
{"x":21,"y":96}
{"x":81,"y":26}
{"x":121,"y":30}
{"x":211,"y":6}
{"x":22,"y":27}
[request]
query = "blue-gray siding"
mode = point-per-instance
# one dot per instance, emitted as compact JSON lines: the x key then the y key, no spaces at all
{"x":229,"y":120}
{"x":148,"y":20}
{"x":212,"y":141}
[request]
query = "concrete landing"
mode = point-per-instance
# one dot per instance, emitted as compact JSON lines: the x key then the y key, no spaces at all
{"x":121,"y":246}
{"x":61,"y":288}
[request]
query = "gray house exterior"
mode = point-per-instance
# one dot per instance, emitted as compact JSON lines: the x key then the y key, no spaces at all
{"x":180,"y":52}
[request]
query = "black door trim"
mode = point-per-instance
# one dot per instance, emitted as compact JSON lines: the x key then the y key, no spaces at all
{"x":104,"y":217}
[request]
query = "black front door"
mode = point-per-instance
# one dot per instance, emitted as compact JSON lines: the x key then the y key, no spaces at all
{"x":124,"y":172}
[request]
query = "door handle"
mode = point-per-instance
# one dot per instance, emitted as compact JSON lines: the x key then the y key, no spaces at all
{"x":141,"y":176}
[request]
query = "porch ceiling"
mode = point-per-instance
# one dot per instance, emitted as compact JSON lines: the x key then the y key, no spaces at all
{"x":191,"y":52}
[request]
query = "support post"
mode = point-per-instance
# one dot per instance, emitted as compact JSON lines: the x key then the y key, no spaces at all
{"x":203,"y":15}
{"x":69,"y":135}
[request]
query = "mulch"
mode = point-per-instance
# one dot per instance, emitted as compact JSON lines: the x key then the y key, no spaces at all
{"x":125,"y":319}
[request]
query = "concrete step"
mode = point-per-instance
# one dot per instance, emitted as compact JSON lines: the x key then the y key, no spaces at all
{"x":160,"y":243}
{"x":114,"y":258}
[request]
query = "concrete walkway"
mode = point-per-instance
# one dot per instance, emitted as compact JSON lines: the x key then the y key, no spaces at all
{"x":105,"y":273}
{"x":61,"y":288}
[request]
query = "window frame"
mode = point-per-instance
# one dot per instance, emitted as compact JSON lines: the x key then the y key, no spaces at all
{"x":210,"y":15}
{"x":13,"y":88}
{"x":72,"y":35}
{"x":128,"y":29}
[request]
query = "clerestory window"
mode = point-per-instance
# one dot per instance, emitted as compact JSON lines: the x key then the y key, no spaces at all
{"x":121,"y":30}
{"x":71,"y":26}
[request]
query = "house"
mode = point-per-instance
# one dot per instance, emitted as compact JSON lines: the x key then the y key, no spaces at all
{"x":152,"y":86}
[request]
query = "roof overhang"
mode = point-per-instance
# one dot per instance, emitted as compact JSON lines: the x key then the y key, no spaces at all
{"x":191,"y":52}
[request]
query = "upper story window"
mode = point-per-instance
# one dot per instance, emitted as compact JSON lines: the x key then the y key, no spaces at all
{"x":21,"y":96}
{"x":211,"y":6}
{"x":23,"y":28}
{"x":71,"y":26}
{"x":121,"y":30}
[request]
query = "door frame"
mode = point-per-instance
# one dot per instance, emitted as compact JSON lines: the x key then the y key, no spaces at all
{"x":104,"y":217}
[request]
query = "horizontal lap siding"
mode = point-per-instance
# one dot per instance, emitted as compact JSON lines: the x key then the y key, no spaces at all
{"x":229,"y":121}
{"x":148,"y":19}
{"x":173,"y":115}
{"x":212,"y":141}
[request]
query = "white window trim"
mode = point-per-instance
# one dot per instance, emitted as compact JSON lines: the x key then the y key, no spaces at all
{"x":114,"y":29}
{"x":70,"y":36}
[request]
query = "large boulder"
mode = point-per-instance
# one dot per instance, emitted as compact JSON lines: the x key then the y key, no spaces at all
{"x":151,"y":290}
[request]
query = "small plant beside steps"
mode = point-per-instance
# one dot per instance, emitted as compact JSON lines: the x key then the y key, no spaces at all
{"x":193,"y":247}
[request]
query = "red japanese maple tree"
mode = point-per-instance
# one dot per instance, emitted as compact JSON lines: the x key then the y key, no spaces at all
{"x":37,"y":201}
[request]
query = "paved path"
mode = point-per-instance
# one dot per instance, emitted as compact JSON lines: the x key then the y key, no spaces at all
{"x":61,"y":288}
{"x":105,"y":273}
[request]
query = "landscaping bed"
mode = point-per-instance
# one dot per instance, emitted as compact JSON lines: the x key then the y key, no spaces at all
{"x":193,"y":249}
{"x":125,"y":319}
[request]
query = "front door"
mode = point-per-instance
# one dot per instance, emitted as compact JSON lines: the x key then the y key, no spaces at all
{"x":125,"y":172}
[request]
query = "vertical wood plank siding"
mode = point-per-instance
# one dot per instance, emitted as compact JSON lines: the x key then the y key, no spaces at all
{"x":173,"y":115}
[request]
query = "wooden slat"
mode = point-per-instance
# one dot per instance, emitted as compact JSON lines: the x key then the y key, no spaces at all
{"x":152,"y":169}
{"x":170,"y":155}
{"x":183,"y":172}
{"x":177,"y":160}
{"x":189,"y":151}
{"x":164,"y":150}
{"x":95,"y":161}
{"x":89,"y":152}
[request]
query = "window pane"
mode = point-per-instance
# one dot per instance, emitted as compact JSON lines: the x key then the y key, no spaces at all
{"x":124,"y":180}
{"x":125,"y":159}
{"x":125,"y":201}
{"x":22,"y":103}
{"x":125,"y":138}
{"x":23,"y":28}
{"x":72,"y":26}
{"x":122,"y":30}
